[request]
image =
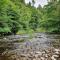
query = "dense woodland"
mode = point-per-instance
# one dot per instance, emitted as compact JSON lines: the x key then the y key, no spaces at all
{"x":16,"y":17}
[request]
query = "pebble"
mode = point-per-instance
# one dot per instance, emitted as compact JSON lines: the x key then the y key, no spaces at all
{"x":5,"y":38}
{"x":43,"y":52}
{"x":42,"y":58}
{"x":53,"y":58}
{"x":38,"y":53}
{"x":46,"y":56}
{"x":57,"y":50}
{"x":23,"y":55}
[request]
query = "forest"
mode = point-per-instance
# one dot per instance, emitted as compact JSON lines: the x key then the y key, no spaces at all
{"x":16,"y":17}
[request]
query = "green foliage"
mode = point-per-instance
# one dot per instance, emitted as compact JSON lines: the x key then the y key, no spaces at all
{"x":52,"y":17}
{"x":34,"y":22}
{"x":17,"y":17}
{"x":9,"y":16}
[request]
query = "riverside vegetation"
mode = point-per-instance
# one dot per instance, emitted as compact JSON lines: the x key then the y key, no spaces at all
{"x":16,"y":17}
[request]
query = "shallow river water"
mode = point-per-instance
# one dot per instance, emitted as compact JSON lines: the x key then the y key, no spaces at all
{"x":25,"y":44}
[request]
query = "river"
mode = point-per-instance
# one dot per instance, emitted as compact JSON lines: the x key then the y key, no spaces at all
{"x":25,"y":44}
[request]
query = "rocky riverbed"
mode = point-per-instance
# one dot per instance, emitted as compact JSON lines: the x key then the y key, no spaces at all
{"x":40,"y":47}
{"x":45,"y":54}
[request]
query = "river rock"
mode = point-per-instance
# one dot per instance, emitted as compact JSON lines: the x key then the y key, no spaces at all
{"x":38,"y":52}
{"x":56,"y":50}
{"x":42,"y":58}
{"x":52,"y":58}
{"x":56,"y":56}
{"x":23,"y":55}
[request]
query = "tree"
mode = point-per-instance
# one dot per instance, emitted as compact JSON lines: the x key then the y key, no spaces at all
{"x":52,"y":17}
